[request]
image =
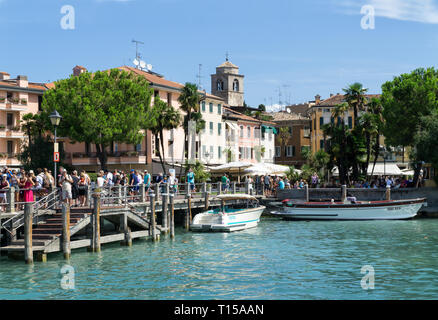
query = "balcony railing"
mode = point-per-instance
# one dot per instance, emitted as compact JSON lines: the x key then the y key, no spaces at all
{"x":78,"y":155}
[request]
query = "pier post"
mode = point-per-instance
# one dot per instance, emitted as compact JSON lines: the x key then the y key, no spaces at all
{"x":125,"y":229}
{"x":388,"y":193}
{"x":263,"y":188}
{"x":206,"y":201}
{"x":142,"y":193}
{"x":188,"y":189}
{"x":66,"y":248}
{"x":28,"y":219}
{"x":119,"y":194}
{"x":10,"y":198}
{"x":188,"y":219}
{"x":344,"y":193}
{"x":89,"y":195}
{"x":95,"y":241}
{"x":219,"y":188}
{"x":153,"y":224}
{"x":164,"y":201}
{"x":234,"y":187}
{"x":125,"y":194}
{"x":306,"y":191}
{"x":172,"y":216}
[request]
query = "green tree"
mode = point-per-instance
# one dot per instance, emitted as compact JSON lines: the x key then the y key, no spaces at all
{"x":100,"y":108}
{"x":356,"y":99}
{"x":189,"y":100}
{"x":163,"y":117}
{"x":262,"y":107}
{"x":407,"y":100}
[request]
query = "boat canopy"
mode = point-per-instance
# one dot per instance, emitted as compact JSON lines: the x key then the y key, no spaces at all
{"x":226,"y":197}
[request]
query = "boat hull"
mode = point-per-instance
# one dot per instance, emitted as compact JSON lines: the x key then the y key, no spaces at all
{"x":397,"y":210}
{"x":208,"y":222}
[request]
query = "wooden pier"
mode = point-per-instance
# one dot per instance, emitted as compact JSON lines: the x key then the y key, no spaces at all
{"x":112,"y":216}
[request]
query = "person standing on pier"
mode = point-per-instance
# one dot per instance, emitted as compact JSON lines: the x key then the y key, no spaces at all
{"x":66,"y":183}
{"x":191,"y":180}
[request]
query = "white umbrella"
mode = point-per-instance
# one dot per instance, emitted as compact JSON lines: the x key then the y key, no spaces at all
{"x":269,"y":168}
{"x":381,"y":169}
{"x":408,"y":172}
{"x":232,"y":167}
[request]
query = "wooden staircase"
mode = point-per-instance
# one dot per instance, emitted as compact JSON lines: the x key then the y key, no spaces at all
{"x":49,"y":231}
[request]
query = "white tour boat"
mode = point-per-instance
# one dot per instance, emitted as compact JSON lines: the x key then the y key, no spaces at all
{"x":351,"y":210}
{"x":237,"y":212}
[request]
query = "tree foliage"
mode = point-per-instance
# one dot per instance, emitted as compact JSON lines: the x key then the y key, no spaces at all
{"x":100,"y":108}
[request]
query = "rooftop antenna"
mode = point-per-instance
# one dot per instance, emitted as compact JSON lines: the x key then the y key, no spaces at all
{"x":199,"y":76}
{"x":137,"y":55}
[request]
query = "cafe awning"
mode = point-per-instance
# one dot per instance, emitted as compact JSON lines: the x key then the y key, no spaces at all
{"x":266,"y":128}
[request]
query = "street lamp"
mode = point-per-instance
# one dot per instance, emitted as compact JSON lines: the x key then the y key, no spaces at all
{"x":55,"y":119}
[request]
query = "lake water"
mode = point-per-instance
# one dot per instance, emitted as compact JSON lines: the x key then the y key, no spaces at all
{"x":277,"y":260}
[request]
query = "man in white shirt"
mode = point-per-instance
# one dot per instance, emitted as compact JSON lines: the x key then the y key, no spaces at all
{"x":66,"y":182}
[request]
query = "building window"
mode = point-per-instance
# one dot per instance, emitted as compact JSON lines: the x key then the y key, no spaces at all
{"x":241,"y":131}
{"x":289,"y":129}
{"x":219,"y":109}
{"x":219,"y":152}
{"x":40,"y":101}
{"x":321,"y":144}
{"x":350,"y":122}
{"x":248,"y":130}
{"x":204,"y":150}
{"x":270,"y":135}
{"x":257,"y":133}
{"x":270,"y":153}
{"x":339,"y":121}
{"x":306,"y":132}
{"x":236,"y":85}
{"x":156,"y":93}
{"x":220,"y":85}
{"x":332,"y":120}
{"x":277,"y":152}
{"x":290,"y":151}
{"x":169,"y":98}
{"x":10,"y":148}
{"x":219,"y":129}
{"x":211,"y":127}
{"x":203,"y":106}
{"x":138,"y":147}
{"x":321,"y":122}
{"x":252,"y":153}
{"x":211,"y":156}
{"x":211,"y":107}
{"x":240,"y":153}
{"x":9,"y":120}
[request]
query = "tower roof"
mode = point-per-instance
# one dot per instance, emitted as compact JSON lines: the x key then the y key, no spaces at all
{"x":228,"y":64}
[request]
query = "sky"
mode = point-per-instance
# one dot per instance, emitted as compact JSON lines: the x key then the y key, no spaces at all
{"x":294,"y":48}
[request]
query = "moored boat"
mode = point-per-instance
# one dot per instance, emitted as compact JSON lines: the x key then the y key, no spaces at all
{"x":237,"y":212}
{"x":351,"y":210}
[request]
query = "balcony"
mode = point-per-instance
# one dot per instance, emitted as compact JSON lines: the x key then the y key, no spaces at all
{"x":11,"y":132}
{"x":12,"y":104}
{"x":9,"y":159}
{"x":118,"y":157}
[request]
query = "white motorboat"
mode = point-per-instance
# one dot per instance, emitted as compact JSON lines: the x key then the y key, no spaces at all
{"x":351,"y":210}
{"x":237,"y":212}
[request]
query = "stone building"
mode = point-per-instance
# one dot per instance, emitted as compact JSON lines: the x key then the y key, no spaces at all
{"x":228,"y":84}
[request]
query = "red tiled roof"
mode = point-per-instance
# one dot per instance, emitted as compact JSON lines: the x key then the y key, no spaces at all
{"x":31,"y":85}
{"x":340,"y":98}
{"x":2,"y":72}
{"x":153,"y":78}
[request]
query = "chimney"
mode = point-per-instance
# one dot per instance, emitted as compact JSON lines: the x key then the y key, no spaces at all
{"x":22,"y":81}
{"x":4,"y":76}
{"x":78,"y":70}
{"x":317,"y":99}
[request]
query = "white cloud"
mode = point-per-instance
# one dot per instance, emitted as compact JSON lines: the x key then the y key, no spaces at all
{"x":424,"y":11}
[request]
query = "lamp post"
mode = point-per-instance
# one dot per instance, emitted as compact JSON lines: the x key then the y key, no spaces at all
{"x":55,"y":119}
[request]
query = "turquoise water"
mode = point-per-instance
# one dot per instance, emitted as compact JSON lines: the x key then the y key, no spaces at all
{"x":277,"y":260}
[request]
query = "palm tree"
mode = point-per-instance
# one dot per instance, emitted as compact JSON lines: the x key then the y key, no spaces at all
{"x":375,"y":108}
{"x":189,"y":100}
{"x":163,"y":117}
{"x":355,"y":97}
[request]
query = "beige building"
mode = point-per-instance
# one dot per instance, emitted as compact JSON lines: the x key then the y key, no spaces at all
{"x":17,"y":97}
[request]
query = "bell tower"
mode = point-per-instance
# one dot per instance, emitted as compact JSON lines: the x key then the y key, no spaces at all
{"x":228,"y":84}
